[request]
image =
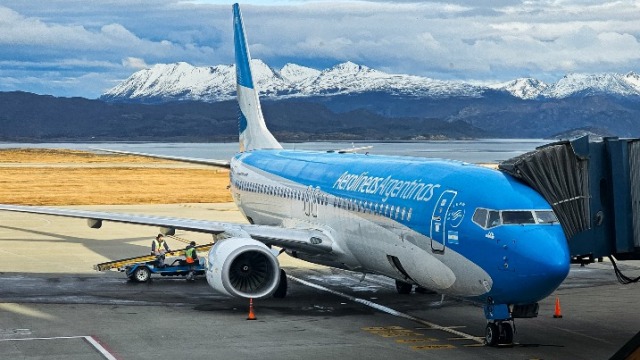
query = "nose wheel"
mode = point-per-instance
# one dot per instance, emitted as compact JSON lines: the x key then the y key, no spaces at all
{"x":498,"y":333}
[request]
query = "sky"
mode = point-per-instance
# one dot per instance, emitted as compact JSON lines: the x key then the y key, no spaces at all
{"x":83,"y":47}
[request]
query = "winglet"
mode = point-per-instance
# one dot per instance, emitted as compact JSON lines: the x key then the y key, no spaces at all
{"x":252,"y":128}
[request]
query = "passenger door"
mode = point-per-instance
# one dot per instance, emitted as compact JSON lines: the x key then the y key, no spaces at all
{"x":439,"y":221}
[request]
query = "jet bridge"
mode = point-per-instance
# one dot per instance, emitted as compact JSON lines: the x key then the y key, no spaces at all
{"x":594,"y":189}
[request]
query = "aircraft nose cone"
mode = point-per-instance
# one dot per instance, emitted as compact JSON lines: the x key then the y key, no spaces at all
{"x":548,"y":266}
{"x":538,"y":263}
{"x":555,"y":267}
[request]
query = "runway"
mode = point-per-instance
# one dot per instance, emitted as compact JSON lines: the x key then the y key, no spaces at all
{"x":54,"y":306}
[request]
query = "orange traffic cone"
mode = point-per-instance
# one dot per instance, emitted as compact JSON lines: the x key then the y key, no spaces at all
{"x":252,"y":316}
{"x":557,"y":314}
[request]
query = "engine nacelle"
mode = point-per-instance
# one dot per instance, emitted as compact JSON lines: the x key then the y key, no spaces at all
{"x":243,"y":267}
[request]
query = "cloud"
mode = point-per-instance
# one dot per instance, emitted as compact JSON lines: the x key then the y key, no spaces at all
{"x":82,"y":49}
{"x":466,"y":39}
{"x":134,"y":63}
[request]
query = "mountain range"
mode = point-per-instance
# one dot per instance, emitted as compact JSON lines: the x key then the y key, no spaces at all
{"x":182,"y":81}
{"x":180,"y":102}
{"x":606,"y":104}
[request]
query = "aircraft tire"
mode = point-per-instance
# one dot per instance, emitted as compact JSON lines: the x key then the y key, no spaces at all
{"x":281,"y":290}
{"x":506,"y":335}
{"x":491,"y":334}
{"x":403,"y":287}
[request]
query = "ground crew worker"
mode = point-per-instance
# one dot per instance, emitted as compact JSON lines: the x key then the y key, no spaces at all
{"x":191,"y":260}
{"x":159,"y":248}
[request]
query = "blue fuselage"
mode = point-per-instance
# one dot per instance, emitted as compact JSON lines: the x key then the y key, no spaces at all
{"x":413,"y":219}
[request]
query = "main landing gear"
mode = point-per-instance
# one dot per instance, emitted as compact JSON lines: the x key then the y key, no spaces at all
{"x":403,"y":287}
{"x":498,"y":333}
{"x":281,"y":290}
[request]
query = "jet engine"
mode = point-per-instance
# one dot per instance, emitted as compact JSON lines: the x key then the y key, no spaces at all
{"x":243,"y":267}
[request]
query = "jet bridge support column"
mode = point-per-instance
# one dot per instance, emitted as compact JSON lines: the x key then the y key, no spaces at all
{"x":594,"y":189}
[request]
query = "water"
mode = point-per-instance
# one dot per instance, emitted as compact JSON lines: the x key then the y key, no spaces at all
{"x":474,"y":151}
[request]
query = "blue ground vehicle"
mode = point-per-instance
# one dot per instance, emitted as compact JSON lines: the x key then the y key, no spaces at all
{"x":141,"y":272}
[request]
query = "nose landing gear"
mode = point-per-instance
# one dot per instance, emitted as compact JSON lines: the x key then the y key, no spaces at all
{"x":498,"y":333}
{"x":499,"y":330}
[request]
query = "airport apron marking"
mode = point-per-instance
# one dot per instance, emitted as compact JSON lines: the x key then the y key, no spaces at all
{"x":416,"y":340}
{"x":389,"y":310}
{"x":90,"y":339}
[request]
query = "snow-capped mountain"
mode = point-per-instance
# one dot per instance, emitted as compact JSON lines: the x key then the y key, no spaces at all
{"x":296,"y":73}
{"x":181,"y":81}
{"x":524,"y":88}
{"x":350,"y":77}
{"x":358,"y":102}
{"x":591,"y":84}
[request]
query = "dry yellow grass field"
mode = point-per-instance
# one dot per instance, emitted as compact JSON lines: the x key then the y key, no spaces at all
{"x":69,"y":177}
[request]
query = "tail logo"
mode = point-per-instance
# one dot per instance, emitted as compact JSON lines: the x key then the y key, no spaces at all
{"x":251,"y":126}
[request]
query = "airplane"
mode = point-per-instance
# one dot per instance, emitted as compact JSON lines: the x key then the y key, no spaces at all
{"x":455,"y":228}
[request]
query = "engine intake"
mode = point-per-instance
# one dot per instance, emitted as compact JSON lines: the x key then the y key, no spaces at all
{"x":243,"y":267}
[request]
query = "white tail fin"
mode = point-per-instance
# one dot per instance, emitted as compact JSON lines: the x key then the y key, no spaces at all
{"x":253,"y":130}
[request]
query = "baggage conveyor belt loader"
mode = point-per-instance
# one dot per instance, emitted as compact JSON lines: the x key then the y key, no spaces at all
{"x":140,"y":268}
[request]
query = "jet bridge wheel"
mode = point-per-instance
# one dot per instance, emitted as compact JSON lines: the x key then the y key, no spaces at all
{"x":403,"y":287}
{"x":281,"y":290}
{"x":141,"y":274}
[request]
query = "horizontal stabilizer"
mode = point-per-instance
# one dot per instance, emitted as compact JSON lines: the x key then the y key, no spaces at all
{"x":210,"y":162}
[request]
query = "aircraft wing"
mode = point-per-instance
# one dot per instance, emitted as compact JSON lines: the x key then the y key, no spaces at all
{"x":211,"y":162}
{"x":306,"y":240}
{"x":351,"y":149}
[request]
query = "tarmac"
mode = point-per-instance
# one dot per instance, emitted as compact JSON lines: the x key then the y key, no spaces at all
{"x":53,"y":305}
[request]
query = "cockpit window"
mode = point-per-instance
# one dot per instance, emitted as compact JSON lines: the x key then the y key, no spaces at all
{"x":546,"y":217}
{"x":517,"y":217}
{"x":480,"y":217}
{"x":494,"y":219}
{"x":488,"y":219}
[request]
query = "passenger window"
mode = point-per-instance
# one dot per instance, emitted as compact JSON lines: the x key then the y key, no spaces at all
{"x":518,"y":217}
{"x":480,"y":217}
